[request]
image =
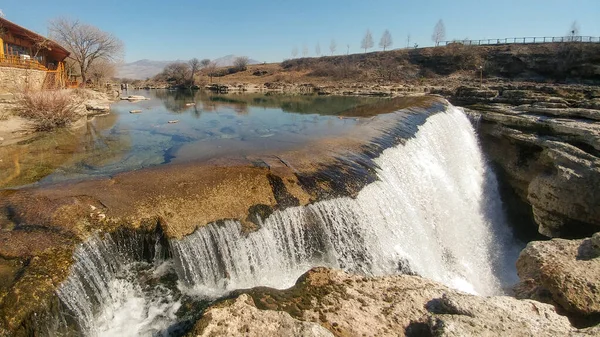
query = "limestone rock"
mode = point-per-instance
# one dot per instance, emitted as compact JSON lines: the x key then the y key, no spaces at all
{"x":243,"y":318}
{"x":134,"y":98}
{"x":565,"y":272}
{"x":550,"y":158}
{"x":467,"y":315}
{"x":595,"y":241}
{"x":352,"y":305}
{"x":95,"y":106}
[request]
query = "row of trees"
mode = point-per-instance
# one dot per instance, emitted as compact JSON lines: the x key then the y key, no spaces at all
{"x":184,"y":74}
{"x":386,"y":41}
{"x":367,"y":42}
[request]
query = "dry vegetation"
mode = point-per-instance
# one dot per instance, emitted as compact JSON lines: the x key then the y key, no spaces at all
{"x":48,"y":110}
{"x":531,"y":62}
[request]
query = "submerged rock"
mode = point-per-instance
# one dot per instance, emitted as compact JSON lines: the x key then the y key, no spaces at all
{"x":565,"y":273}
{"x":353,"y":305}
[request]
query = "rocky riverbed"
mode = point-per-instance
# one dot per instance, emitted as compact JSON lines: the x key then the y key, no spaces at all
{"x":42,"y":226}
{"x":14,"y":128}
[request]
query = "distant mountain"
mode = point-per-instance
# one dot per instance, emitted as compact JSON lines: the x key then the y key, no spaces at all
{"x":227,"y":61}
{"x":143,"y":69}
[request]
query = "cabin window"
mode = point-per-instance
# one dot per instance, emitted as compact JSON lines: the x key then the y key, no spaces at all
{"x":13,"y":49}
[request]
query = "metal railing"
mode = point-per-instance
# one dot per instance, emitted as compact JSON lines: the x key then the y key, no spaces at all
{"x":15,"y":61}
{"x":524,"y":40}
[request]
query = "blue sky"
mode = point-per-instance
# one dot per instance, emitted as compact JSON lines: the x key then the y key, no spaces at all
{"x":269,"y":30}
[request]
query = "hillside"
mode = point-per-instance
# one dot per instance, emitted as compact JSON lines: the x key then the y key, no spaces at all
{"x":558,"y":62}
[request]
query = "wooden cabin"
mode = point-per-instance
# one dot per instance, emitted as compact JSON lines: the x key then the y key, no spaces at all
{"x":22,"y":48}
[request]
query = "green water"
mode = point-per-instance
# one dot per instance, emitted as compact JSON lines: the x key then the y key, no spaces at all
{"x":203,"y":126}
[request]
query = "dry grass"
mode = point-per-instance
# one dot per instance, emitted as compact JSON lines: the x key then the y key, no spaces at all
{"x":49,"y":109}
{"x":4,"y":114}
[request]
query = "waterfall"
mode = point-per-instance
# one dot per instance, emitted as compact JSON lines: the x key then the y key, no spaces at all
{"x":429,"y":213}
{"x":434,"y":211}
{"x":108,"y":298}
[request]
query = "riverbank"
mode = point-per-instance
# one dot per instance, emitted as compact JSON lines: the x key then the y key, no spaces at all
{"x":14,"y":128}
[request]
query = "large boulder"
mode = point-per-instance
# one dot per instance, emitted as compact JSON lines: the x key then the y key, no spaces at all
{"x":565,"y":273}
{"x":401,"y":305}
{"x":241,"y":317}
{"x":456,"y":315}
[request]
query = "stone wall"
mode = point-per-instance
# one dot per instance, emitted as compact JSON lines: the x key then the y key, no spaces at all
{"x":16,"y":79}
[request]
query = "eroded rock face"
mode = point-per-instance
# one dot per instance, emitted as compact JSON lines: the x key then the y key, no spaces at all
{"x":547,"y":147}
{"x":565,"y":273}
{"x":352,"y":305}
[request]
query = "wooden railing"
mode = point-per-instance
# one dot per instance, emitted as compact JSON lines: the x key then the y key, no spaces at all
{"x":17,"y":62}
{"x":511,"y":40}
{"x":56,"y":78}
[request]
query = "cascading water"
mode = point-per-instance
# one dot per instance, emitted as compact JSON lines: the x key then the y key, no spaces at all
{"x":108,"y":298}
{"x":427,"y":212}
{"x":433,"y":211}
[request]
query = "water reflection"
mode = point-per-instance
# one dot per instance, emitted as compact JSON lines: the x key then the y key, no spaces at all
{"x":177,"y":126}
{"x":85,"y":149}
{"x":180,"y":101}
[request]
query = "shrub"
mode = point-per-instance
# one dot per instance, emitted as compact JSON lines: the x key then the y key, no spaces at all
{"x":241,"y":63}
{"x":83,"y":93}
{"x":342,"y":70}
{"x":49,"y":109}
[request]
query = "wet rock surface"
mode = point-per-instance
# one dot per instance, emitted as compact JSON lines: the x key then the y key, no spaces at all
{"x":565,"y":273}
{"x":545,"y":142}
{"x":352,"y":305}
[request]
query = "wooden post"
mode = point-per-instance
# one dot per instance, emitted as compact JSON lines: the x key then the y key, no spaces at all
{"x":1,"y":48}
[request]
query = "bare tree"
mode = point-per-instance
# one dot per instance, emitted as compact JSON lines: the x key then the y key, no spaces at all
{"x":439,"y":33}
{"x":39,"y":43}
{"x":178,"y":73}
{"x":367,"y":41}
{"x":305,"y":51}
{"x":205,"y":63}
{"x":294,"y":52}
{"x":241,"y":63}
{"x":211,"y":69}
{"x":573,"y":32}
{"x":332,"y":46}
{"x":318,"y":49}
{"x":86,"y":43}
{"x":194,"y":68}
{"x":102,"y":70}
{"x":386,"y":40}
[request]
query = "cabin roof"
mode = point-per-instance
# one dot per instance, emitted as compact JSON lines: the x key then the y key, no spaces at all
{"x":26,"y":34}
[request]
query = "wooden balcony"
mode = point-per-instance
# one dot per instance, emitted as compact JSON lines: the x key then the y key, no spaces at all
{"x":14,"y":61}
